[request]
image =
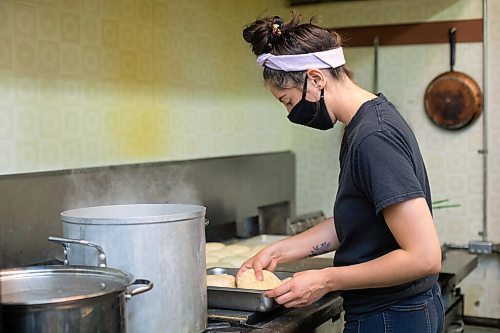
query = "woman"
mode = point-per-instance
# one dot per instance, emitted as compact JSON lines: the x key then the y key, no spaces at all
{"x":388,"y":254}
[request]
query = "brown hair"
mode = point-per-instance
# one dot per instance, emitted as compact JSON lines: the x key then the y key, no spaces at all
{"x":272,"y":35}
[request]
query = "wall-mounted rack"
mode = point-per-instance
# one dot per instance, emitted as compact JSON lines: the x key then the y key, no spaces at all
{"x":469,"y":31}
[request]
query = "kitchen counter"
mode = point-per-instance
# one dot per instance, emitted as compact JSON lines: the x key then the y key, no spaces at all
{"x":458,"y":263}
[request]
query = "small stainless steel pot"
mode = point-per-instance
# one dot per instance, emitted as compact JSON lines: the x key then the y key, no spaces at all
{"x":72,"y":299}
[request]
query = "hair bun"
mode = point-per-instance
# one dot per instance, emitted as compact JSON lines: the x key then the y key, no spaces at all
{"x":260,"y":35}
{"x":277,"y":26}
{"x":266,"y":34}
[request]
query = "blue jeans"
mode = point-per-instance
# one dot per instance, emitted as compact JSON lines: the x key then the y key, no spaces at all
{"x":423,"y":313}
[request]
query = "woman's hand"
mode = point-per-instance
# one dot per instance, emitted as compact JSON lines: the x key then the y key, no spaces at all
{"x":264,"y":259}
{"x":294,"y":248}
{"x":303,"y":289}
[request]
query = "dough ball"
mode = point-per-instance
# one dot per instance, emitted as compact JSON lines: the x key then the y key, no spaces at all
{"x":212,"y":264}
{"x":254,"y":250}
{"x":211,"y":259}
{"x":233,"y":249}
{"x":221,"y":280}
{"x":236,"y":261}
{"x":214,"y":246}
{"x":247,"y":280}
{"x":219,"y":254}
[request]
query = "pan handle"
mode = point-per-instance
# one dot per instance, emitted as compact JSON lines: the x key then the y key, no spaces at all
{"x":376,"y":44}
{"x":452,"y":34}
{"x":101,"y":258}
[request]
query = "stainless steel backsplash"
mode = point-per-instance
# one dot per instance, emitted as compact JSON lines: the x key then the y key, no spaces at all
{"x":232,"y":189}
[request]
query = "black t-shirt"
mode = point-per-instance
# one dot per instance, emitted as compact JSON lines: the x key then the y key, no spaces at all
{"x":380,"y":165}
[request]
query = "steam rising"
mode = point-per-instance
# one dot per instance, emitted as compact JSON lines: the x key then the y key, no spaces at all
{"x":130,"y":185}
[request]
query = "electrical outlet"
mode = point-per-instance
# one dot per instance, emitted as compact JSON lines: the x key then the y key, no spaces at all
{"x":480,"y":247}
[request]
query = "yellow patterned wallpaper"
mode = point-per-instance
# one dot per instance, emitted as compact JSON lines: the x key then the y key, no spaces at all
{"x":105,"y":82}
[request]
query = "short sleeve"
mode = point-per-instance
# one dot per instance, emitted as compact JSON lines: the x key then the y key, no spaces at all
{"x":383,"y":169}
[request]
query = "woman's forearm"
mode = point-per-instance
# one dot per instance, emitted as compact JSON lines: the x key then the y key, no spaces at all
{"x":420,"y":254}
{"x":321,"y":238}
{"x":396,"y":267}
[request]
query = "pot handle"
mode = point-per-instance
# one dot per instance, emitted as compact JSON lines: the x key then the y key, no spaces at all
{"x":147,"y":285}
{"x":101,"y":258}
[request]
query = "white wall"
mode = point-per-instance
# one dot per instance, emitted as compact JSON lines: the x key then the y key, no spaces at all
{"x":455,"y":168}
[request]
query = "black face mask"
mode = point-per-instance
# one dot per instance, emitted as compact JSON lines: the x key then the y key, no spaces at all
{"x":311,"y":114}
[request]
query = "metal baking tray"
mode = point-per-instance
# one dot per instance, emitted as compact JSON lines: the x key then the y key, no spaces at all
{"x":240,"y":299}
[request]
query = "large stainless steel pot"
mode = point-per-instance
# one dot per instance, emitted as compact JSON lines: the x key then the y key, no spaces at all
{"x":165,"y":242}
{"x":62,"y":299}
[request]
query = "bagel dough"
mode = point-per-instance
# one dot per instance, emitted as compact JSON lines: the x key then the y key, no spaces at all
{"x":211,"y":259}
{"x":218,"y":254}
{"x":235,"y":249}
{"x":235,"y":261}
{"x":214,"y":246}
{"x":221,"y":280}
{"x":247,"y":280}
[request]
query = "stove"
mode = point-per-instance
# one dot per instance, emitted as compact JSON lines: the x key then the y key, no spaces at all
{"x":280,"y":319}
{"x":226,"y":327}
{"x":243,"y":317}
{"x":225,"y":320}
{"x":456,"y":265}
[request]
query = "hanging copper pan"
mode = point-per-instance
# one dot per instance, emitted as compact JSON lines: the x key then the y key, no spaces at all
{"x":453,"y":99}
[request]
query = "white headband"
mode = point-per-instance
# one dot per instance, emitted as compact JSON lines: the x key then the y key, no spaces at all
{"x":300,"y":62}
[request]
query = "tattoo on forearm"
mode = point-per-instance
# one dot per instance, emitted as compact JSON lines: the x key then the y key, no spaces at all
{"x":320,"y":249}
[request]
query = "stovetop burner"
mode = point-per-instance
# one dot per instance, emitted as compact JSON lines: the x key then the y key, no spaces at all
{"x":226,"y":327}
{"x":216,"y":315}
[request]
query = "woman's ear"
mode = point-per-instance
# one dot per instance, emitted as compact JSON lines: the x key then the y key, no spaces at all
{"x":317,"y":77}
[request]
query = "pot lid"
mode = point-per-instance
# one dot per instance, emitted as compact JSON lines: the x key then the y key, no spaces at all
{"x":133,"y":214}
{"x":39,"y":285}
